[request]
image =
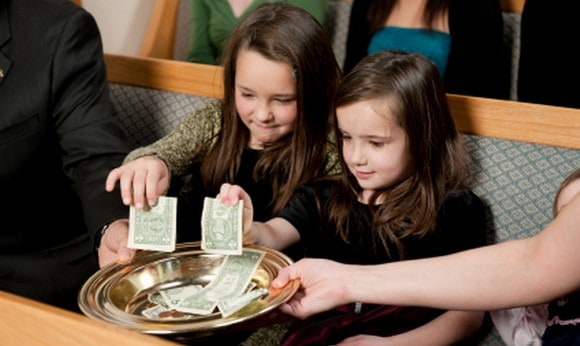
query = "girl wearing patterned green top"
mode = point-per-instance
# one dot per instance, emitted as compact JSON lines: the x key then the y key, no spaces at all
{"x":269,"y":133}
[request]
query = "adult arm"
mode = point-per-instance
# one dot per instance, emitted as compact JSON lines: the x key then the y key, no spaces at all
{"x":514,"y":273}
{"x":90,"y":138}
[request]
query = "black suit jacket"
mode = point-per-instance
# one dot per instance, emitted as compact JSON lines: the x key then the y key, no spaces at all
{"x":58,"y":141}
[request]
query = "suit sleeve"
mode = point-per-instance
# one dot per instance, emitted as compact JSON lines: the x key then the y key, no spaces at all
{"x":91,"y":140}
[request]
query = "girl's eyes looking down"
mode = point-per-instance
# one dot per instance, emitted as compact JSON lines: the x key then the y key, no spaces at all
{"x":280,"y":100}
{"x":344,"y":137}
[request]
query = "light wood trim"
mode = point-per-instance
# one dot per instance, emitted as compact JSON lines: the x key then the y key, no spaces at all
{"x":171,"y":75}
{"x":159,"y":39}
{"x":512,"y":120}
{"x":513,"y":5}
{"x":27,"y":322}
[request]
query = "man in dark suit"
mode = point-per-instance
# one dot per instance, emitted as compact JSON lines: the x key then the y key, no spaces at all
{"x":58,"y":142}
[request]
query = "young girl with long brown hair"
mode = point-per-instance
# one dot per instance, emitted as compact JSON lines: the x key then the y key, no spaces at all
{"x":403,"y":194}
{"x":270,"y":133}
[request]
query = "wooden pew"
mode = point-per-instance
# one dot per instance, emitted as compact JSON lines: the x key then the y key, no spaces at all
{"x":512,"y":5}
{"x":513,"y":120}
{"x":27,"y":322}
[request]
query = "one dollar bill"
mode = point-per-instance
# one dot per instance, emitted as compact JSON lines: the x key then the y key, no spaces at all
{"x":221,"y":227}
{"x":154,"y":228}
{"x":232,"y":280}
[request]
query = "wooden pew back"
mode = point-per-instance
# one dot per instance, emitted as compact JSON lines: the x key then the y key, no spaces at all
{"x":557,"y":126}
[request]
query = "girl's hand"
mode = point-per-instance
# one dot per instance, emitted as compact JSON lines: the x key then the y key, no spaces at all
{"x":229,"y":195}
{"x":143,"y":179}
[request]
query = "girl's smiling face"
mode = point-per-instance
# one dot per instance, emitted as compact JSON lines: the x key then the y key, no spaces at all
{"x":265,"y":94}
{"x":375,"y":148}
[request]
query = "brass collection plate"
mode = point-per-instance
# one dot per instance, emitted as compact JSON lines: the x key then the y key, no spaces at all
{"x":118,"y":293}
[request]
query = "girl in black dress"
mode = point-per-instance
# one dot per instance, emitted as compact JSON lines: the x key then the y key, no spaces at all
{"x":403,"y":194}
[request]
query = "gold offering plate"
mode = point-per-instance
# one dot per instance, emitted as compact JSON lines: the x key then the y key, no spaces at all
{"x":118,"y":293}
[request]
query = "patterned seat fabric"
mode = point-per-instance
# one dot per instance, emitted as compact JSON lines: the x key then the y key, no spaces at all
{"x":148,"y":114}
{"x":519,"y":180}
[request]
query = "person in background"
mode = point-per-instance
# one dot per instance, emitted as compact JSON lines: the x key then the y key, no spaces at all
{"x":522,"y":272}
{"x":212,"y":23}
{"x":549,"y":48}
{"x":463,"y":38}
{"x":403,"y":194}
{"x":269,"y":134}
{"x":526,"y":325}
{"x":58,"y":141}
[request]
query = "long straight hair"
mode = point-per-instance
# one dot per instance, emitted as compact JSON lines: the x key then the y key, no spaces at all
{"x":282,"y":33}
{"x":410,"y":85}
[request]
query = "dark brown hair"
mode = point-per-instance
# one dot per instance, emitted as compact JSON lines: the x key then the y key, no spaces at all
{"x":410,"y":85}
{"x":282,"y":33}
{"x":379,"y":11}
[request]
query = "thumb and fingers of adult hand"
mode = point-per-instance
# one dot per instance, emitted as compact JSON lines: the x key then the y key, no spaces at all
{"x":114,"y":244}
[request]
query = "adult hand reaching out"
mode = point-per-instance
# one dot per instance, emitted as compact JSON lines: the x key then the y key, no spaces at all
{"x":322,"y":286}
